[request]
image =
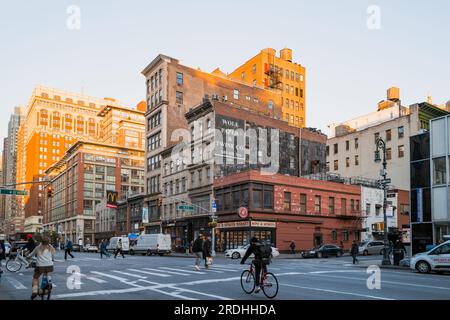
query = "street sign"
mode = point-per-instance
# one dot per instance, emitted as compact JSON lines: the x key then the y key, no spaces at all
{"x":13,"y":192}
{"x":385,"y":181}
{"x":214,"y":206}
{"x":185,"y":207}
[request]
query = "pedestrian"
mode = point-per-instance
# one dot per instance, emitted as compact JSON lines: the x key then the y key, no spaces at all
{"x":292,"y":246}
{"x":354,"y":252}
{"x":2,"y":253}
{"x":119,"y":248}
{"x":103,"y":250}
{"x":68,"y":246}
{"x":197,"y":249}
{"x":207,"y":252}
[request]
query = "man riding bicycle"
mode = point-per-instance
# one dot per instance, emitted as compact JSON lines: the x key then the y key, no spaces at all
{"x":44,"y":263}
{"x":260,"y":261}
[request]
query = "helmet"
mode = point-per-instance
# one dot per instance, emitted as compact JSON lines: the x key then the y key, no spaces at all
{"x":253,"y":240}
{"x":29,"y":236}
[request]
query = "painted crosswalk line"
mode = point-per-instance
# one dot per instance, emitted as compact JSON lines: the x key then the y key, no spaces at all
{"x":129,"y":274}
{"x":169,"y":272}
{"x":16,"y":284}
{"x":150,"y":273}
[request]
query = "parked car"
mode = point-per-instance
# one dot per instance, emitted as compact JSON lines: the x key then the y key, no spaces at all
{"x":152,"y":244}
{"x":239,"y":252}
{"x":371,"y":247}
{"x":436,"y":259}
{"x":405,"y":262}
{"x":90,"y":248}
{"x":323,"y":251}
{"x":76,"y":248}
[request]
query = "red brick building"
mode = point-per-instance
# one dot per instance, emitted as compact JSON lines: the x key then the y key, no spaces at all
{"x":285,"y":208}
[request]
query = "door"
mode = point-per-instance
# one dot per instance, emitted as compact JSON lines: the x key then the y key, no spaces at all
{"x":440,"y":257}
{"x":317,"y":240}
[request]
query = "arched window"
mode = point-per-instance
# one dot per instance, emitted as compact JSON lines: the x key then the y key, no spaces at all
{"x":334,"y":235}
{"x":80,"y":125}
{"x":91,"y":127}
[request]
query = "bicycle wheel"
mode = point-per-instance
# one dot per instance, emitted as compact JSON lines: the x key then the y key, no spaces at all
{"x":270,"y":285}
{"x":247,"y":282}
{"x":13,"y":265}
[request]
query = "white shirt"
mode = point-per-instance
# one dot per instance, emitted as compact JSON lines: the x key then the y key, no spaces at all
{"x":43,"y":258}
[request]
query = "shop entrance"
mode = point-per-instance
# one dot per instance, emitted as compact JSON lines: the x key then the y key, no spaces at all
{"x":231,"y":239}
{"x":318,"y":240}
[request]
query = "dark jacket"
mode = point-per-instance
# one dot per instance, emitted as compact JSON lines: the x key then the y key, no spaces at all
{"x":206,"y":249}
{"x":3,"y":251}
{"x":31,"y":244}
{"x":69,"y":245}
{"x":355,"y":249}
{"x":253,"y":248}
{"x":292,"y":245}
{"x":198,"y":245}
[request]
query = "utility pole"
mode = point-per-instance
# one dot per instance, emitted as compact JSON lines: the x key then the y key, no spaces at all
{"x":384,"y":183}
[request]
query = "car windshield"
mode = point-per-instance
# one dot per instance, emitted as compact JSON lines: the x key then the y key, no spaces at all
{"x":362,"y":244}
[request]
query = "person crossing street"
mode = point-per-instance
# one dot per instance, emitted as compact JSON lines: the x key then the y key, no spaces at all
{"x":119,"y":249}
{"x":68,"y":249}
{"x":197,"y":249}
{"x":354,"y":252}
{"x":103,"y":251}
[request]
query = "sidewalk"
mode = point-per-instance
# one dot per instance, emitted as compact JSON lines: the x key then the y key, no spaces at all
{"x":377,"y":262}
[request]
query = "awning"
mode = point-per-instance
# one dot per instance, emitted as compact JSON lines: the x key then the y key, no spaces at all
{"x":132,"y":236}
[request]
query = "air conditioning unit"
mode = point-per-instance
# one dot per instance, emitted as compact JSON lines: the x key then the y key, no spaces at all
{"x":215,"y":97}
{"x":225,"y":98}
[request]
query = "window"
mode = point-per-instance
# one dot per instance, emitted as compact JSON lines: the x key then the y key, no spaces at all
{"x":439,"y":171}
{"x":262,"y":196}
{"x":236,"y":94}
{"x":270,"y":104}
{"x":292,"y":75}
{"x":254,"y":83}
{"x":287,"y":201}
{"x":356,"y":143}
{"x":268,"y":196}
{"x":243,"y":75}
{"x":287,"y":74}
{"x":388,"y":135}
{"x":154,"y":141}
{"x":336,"y":165}
{"x":254,"y":68}
{"x":357,"y":205}
{"x":335,"y":148}
{"x":401,"y":132}
{"x":179,"y":78}
{"x":179,"y":97}
{"x":345,"y":235}
{"x":367,"y":208}
{"x":334,"y":235}
{"x":356,"y":160}
{"x":296,"y":77}
{"x":347,"y":162}
{"x":352,"y":205}
{"x":154,"y":121}
{"x":388,"y":154}
{"x":401,"y":151}
{"x":327,"y":150}
{"x":301,"y":78}
{"x":302,"y":203}
{"x":343,"y":206}
{"x":287,"y":90}
{"x":301,"y":93}
{"x":317,"y":204}
{"x":331,"y":205}
{"x":347,"y":145}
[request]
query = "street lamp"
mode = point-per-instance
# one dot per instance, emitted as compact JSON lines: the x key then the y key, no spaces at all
{"x":381,"y":145}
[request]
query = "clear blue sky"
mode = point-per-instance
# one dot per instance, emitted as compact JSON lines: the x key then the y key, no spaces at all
{"x":349,"y":67}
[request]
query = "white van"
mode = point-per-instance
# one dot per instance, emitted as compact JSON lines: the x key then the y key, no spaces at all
{"x":152,"y":244}
{"x":113,"y":244}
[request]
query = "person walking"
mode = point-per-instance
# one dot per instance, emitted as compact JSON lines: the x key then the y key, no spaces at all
{"x":292,"y":246}
{"x":103,"y":251}
{"x":68,"y":246}
{"x":354,"y":252}
{"x":207,"y":252}
{"x":197,"y":249}
{"x":2,"y":253}
{"x":119,"y":248}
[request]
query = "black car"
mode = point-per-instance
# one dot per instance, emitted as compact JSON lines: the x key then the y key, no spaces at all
{"x":76,"y":248}
{"x":324,"y":251}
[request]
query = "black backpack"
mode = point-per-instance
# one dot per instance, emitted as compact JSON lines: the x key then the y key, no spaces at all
{"x":264,"y":250}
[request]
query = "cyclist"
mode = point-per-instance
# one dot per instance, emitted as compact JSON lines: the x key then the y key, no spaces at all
{"x":259,"y":261}
{"x":44,"y":263}
{"x":2,"y":253}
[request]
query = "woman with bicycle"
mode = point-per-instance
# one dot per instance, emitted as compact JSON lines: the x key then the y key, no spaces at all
{"x":44,"y":263}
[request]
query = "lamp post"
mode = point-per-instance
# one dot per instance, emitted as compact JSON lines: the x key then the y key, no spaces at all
{"x":381,"y":145}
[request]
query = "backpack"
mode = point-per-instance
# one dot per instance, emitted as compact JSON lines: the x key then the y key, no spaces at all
{"x":263,"y":250}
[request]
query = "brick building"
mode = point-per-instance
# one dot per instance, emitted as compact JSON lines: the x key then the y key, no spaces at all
{"x":284,"y":208}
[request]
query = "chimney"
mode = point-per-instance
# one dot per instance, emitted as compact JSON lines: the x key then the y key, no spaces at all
{"x":286,"y":54}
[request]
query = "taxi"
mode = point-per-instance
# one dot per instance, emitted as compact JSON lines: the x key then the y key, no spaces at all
{"x":436,"y":259}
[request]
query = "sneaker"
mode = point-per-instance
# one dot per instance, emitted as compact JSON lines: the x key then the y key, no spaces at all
{"x":197,"y":268}
{"x":258,"y":289}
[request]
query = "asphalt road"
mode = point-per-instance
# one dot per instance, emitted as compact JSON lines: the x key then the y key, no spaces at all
{"x":142,"y":277}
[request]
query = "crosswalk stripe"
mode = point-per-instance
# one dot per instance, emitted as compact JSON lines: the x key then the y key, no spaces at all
{"x":169,"y":272}
{"x":109,"y":276}
{"x":224,"y":269}
{"x":16,"y":284}
{"x":93,"y":278}
{"x":151,"y":273}
{"x":188,"y":271}
{"x":129,"y":274}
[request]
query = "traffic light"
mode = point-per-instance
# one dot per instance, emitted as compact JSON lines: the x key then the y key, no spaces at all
{"x":49,"y":191}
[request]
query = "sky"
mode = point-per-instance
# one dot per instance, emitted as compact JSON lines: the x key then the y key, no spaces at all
{"x":352,"y":53}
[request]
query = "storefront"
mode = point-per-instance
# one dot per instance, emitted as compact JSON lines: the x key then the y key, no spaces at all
{"x":238,"y":233}
{"x":178,"y":234}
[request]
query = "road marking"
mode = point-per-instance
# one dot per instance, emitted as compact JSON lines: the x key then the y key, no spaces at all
{"x":202,"y":293}
{"x":16,"y":284}
{"x":150,"y":273}
{"x":181,"y":270}
{"x":335,"y":291}
{"x":130,"y":274}
{"x":169,"y":272}
{"x":93,"y":278}
{"x":109,"y":276}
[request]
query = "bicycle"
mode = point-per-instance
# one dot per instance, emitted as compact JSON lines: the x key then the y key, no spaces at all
{"x":268,"y":282}
{"x":14,"y":265}
{"x":45,"y":287}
